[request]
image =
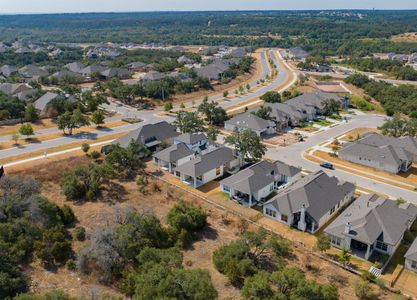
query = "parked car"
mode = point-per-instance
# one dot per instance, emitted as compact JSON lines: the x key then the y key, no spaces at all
{"x":327,"y":165}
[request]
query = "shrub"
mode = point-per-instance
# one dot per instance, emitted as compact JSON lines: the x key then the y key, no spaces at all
{"x":71,"y":265}
{"x":95,"y":155}
{"x":363,"y":290}
{"x":85,"y":147}
{"x":79,"y":233}
{"x":187,"y":216}
{"x":67,"y":215}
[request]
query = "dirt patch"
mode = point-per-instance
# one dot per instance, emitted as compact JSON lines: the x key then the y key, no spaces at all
{"x":354,"y":133}
{"x":405,"y":37}
{"x":282,"y":139}
{"x":223,"y":228}
{"x":12,"y":129}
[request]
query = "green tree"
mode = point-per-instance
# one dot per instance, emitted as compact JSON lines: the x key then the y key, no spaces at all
{"x":363,"y":290}
{"x":257,"y":287}
{"x":127,"y":161}
{"x":27,"y":130}
{"x":212,"y":133}
{"x":271,"y":97}
{"x":344,"y":256}
{"x":330,"y":107}
{"x":97,"y":118}
{"x":189,"y":122}
{"x":398,"y":126}
{"x":264,"y":112}
{"x":85,"y":147}
{"x":247,"y":143}
{"x":187,"y":216}
{"x":15,"y":138}
{"x":323,"y":242}
{"x":225,"y":94}
{"x":168,"y":106}
{"x":73,"y":120}
{"x":31,"y":114}
{"x":53,"y":248}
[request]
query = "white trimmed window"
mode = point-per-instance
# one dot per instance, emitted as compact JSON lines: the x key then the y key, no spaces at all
{"x":336,"y":240}
{"x":414,"y":264}
{"x":270,"y":212}
{"x":381,"y":246}
{"x":226,"y":188}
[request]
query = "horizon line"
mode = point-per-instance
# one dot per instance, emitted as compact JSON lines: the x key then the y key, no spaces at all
{"x":202,"y":11}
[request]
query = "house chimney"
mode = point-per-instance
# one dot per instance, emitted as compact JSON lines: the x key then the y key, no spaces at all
{"x":348,"y":227}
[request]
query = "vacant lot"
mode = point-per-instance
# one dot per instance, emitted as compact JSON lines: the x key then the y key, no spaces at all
{"x":223,"y":228}
{"x":405,"y":37}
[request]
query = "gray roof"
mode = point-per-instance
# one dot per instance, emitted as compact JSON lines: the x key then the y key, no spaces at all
{"x":43,"y":101}
{"x":310,"y":101}
{"x":136,"y":65}
{"x":371,"y":217}
{"x":115,"y":72}
{"x":318,"y":192}
{"x":153,"y":75}
{"x":407,"y":143}
{"x":14,"y":88}
{"x":283,"y":112}
{"x":250,"y":121}
{"x":7,"y":70}
{"x":31,"y":71}
{"x":207,"y":162}
{"x":215,"y":69}
{"x":298,"y":52}
{"x":258,"y":176}
{"x":412,"y":251}
{"x":92,"y":69}
{"x":158,"y":131}
{"x":65,"y":73}
{"x":174,"y":153}
{"x":191,"y":138}
{"x":75,"y":67}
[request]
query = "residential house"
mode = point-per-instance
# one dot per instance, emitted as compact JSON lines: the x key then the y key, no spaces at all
{"x":136,"y":66}
{"x":87,"y":72}
{"x":61,"y":75}
{"x":238,"y":52}
{"x":371,"y":224}
{"x":411,"y":257}
{"x":251,"y":121}
{"x":196,"y":142}
{"x":285,"y":115}
{"x":42,"y":104}
{"x":211,"y":164}
{"x":308,"y":203}
{"x":14,"y":89}
{"x":8,"y":71}
{"x":173,"y":156}
{"x":215,"y":70}
{"x":389,"y":154}
{"x":75,"y":67}
{"x":185,"y":60}
{"x":153,"y":76}
{"x":256,"y":183}
{"x":115,"y":72}
{"x":32,"y":72}
{"x":150,"y":135}
{"x":298,"y":53}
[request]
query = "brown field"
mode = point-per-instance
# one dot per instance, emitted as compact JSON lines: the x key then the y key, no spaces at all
{"x":42,"y":124}
{"x":405,"y":37}
{"x":223,"y":228}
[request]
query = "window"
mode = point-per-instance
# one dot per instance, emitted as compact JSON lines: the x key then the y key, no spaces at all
{"x":226,"y":188}
{"x":336,"y":240}
{"x":284,"y":218}
{"x":414,"y":264}
{"x":270,"y":212}
{"x":178,"y":174}
{"x":218,"y":171}
{"x":381,"y":246}
{"x":332,"y":210}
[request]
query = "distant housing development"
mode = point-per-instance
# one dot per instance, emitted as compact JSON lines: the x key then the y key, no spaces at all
{"x":390,"y":154}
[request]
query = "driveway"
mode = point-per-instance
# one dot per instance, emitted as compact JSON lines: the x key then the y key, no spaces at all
{"x":294,"y":155}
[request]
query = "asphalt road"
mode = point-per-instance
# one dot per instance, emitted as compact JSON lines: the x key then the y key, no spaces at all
{"x":293,"y":155}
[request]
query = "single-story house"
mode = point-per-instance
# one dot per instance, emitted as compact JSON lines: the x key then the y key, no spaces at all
{"x":411,"y":257}
{"x":32,"y":72}
{"x":8,"y":71}
{"x":370,"y":224}
{"x":61,"y":75}
{"x":88,"y":71}
{"x":309,"y":202}
{"x":13,"y":89}
{"x":115,"y":72}
{"x":43,"y":102}
{"x":390,"y":154}
{"x":75,"y":67}
{"x":153,"y":76}
{"x":209,"y":165}
{"x":251,"y":121}
{"x":257,"y":182}
{"x":297,"y":53}
{"x":285,"y":115}
{"x":136,"y":66}
{"x":150,"y":135}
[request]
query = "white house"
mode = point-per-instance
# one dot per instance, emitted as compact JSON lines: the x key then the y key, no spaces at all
{"x":411,"y":257}
{"x":250,"y":121}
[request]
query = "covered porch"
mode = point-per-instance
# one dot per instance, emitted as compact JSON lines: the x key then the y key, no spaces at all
{"x":360,"y":249}
{"x":243,"y":198}
{"x":195,"y":182}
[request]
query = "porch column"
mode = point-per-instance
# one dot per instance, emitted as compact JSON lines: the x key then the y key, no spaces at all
{"x":195,"y":182}
{"x":250,"y":200}
{"x":368,"y":252}
{"x":170,"y":167}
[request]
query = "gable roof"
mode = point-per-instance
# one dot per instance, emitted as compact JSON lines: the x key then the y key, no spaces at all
{"x":309,"y":101}
{"x":43,"y":101}
{"x":250,"y":121}
{"x":14,"y":88}
{"x":75,"y":67}
{"x":115,"y":72}
{"x":7,"y":70}
{"x":174,"y":153}
{"x":283,"y":112}
{"x":318,"y":192}
{"x":158,"y":131}
{"x":191,"y":138}
{"x":407,"y":143}
{"x":412,"y":251}
{"x":298,"y":52}
{"x":371,"y":217}
{"x":258,"y":176}
{"x":31,"y":71}
{"x":206,"y":162}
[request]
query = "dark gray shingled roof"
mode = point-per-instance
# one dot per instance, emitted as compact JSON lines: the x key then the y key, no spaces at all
{"x":370,"y":216}
{"x":160,"y":131}
{"x":283,"y":112}
{"x":258,"y":176}
{"x":174,"y":153}
{"x":250,"y":121}
{"x":43,"y":101}
{"x":318,"y":192}
{"x":191,"y":138}
{"x":207,"y":162}
{"x":75,"y":67}
{"x":412,"y":251}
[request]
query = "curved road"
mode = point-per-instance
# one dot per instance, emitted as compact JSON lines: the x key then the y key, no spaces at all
{"x":149,"y":116}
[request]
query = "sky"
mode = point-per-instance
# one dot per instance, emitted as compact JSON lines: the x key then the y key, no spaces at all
{"x":69,"y":6}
